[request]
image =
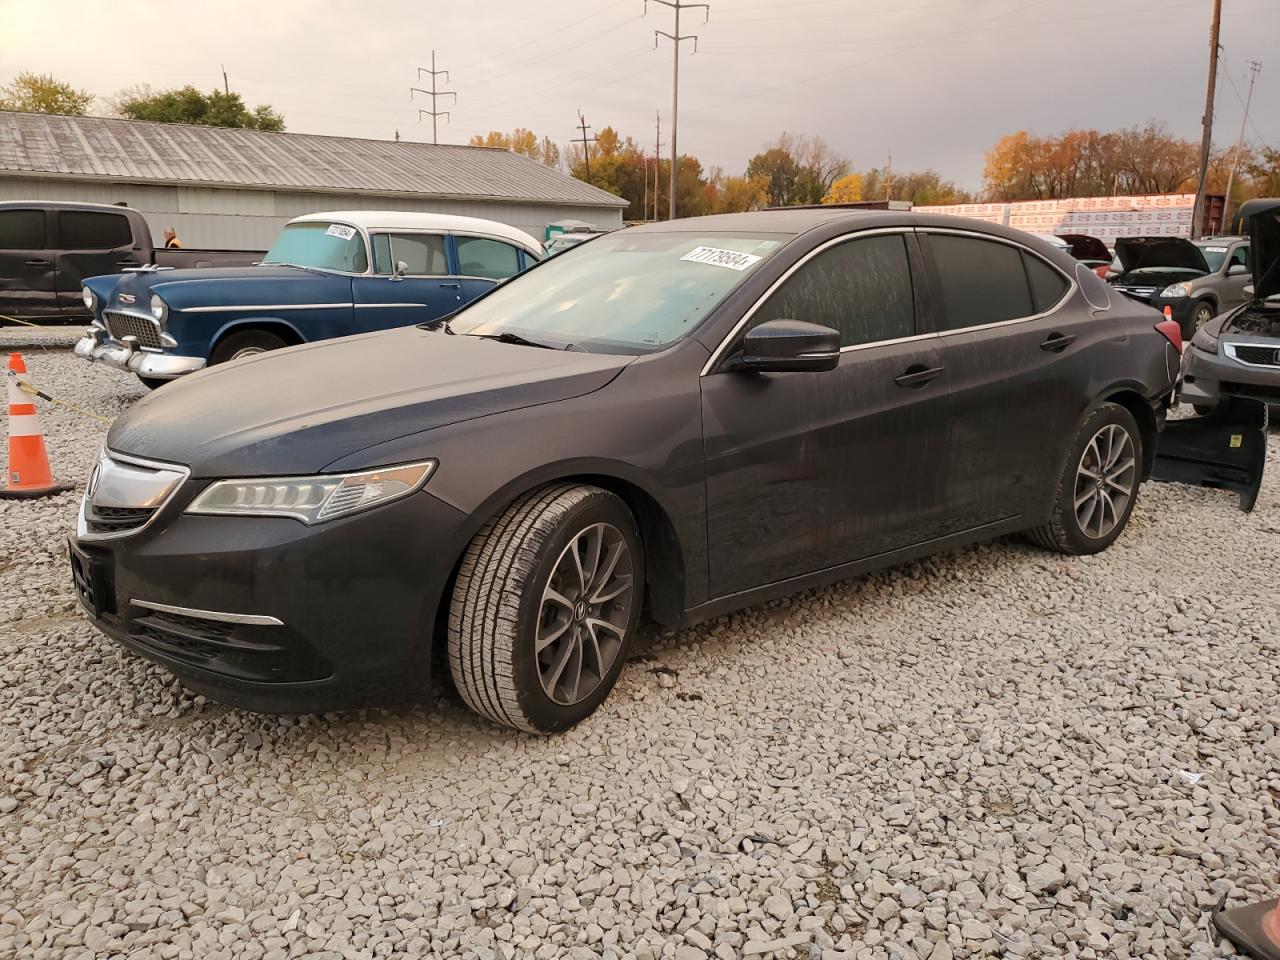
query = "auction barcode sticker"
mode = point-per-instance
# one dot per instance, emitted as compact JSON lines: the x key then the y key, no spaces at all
{"x":339,"y":231}
{"x":721,"y":258}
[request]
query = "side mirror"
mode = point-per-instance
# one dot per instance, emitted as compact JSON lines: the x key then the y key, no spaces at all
{"x":401,"y":269}
{"x":1237,"y":270}
{"x":783,"y":346}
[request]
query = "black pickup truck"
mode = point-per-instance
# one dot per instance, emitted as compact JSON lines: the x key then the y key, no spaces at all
{"x":47,"y":248}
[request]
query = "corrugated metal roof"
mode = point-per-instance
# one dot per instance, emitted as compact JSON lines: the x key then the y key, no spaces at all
{"x":173,"y":153}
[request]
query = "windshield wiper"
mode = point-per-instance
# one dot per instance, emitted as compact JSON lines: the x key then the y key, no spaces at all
{"x":506,"y":336}
{"x":280,"y":263}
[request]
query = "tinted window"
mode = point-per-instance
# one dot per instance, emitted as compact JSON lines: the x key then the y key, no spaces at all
{"x":861,"y":288}
{"x":1048,"y":286}
{"x":422,"y":254}
{"x":478,"y":257}
{"x":79,"y":230}
{"x":982,"y":281}
{"x":22,"y":230}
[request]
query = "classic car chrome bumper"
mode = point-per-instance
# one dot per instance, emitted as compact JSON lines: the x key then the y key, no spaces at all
{"x":97,"y":347}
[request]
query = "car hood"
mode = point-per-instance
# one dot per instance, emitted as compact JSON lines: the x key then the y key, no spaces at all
{"x":1264,"y":248}
{"x":1144,"y":253}
{"x":197,"y":285}
{"x":296,"y":411}
{"x":1085,"y":247}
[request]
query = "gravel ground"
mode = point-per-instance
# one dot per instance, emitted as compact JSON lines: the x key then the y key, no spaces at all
{"x":995,"y":752}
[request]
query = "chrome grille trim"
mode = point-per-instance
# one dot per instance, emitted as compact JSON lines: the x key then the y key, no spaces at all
{"x":1252,"y":354}
{"x":144,"y":329}
{"x":130,"y":491}
{"x":256,"y":619}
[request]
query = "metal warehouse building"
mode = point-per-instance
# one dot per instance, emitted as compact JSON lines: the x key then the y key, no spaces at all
{"x":233,"y":189}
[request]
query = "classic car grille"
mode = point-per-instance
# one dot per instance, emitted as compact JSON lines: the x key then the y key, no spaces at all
{"x":1263,"y":356}
{"x":121,"y":325}
{"x":115,"y":519}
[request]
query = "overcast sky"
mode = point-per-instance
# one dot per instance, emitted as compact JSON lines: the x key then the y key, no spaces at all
{"x":933,"y":81}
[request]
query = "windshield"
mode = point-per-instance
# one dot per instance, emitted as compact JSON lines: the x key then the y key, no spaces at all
{"x":321,"y":245}
{"x":1214,"y":256}
{"x":625,"y":292}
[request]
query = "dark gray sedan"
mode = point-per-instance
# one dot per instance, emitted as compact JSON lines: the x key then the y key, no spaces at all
{"x":674,"y":421}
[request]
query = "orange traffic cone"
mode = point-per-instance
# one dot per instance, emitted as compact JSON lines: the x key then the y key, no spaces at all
{"x":28,"y":475}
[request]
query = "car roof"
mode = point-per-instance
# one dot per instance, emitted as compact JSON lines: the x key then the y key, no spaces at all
{"x":62,"y":205}
{"x":402,"y":220}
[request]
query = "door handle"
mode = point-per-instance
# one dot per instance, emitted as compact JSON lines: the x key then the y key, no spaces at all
{"x":917,"y":375}
{"x":451,"y":286}
{"x":1058,"y":342}
{"x":126,"y":263}
{"x":37,"y":263}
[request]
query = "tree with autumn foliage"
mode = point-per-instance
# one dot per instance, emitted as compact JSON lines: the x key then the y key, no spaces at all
{"x":522,"y":141}
{"x":848,"y":189}
{"x":43,"y":93}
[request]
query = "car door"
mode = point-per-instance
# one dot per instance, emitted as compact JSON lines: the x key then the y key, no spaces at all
{"x":806,"y":471}
{"x":1236,"y":276}
{"x":27,"y":270}
{"x":483,"y":262}
{"x":424,"y":290}
{"x":1016,"y":364}
{"x":90,"y":243}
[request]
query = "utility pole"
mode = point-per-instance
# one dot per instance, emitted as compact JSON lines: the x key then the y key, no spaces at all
{"x":888,"y":178}
{"x":586,"y":142}
{"x":434,"y":94}
{"x":1206,"y":143}
{"x":657,"y":161}
{"x":226,"y":87}
{"x":1254,"y":67}
{"x":676,"y":38}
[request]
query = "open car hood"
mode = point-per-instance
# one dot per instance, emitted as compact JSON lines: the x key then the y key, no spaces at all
{"x":1264,"y":248}
{"x":1143,"y":253}
{"x":1085,"y":247}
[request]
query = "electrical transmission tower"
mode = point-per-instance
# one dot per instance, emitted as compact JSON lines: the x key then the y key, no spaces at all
{"x":434,"y":113}
{"x":586,"y":142}
{"x":676,"y":38}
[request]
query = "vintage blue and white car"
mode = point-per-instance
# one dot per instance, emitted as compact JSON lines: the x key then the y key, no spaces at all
{"x":328,"y":275}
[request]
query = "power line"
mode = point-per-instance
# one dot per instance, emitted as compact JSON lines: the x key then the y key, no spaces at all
{"x":435,"y":94}
{"x":676,"y":38}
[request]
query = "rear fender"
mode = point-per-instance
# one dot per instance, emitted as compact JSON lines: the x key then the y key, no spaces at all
{"x":1226,"y":450}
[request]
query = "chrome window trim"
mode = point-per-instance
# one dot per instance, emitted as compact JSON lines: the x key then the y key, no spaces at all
{"x":1072,"y":286}
{"x":82,"y":530}
{"x":253,"y":619}
{"x":718,"y":354}
{"x":269,"y":306}
{"x":1229,"y":351}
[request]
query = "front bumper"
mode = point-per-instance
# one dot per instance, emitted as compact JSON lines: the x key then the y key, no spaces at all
{"x":97,"y":347}
{"x":270,"y":614}
{"x":1208,"y":378}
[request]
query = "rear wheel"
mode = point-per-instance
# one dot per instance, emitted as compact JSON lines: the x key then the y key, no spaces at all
{"x":247,"y":343}
{"x":545,"y":605}
{"x":1098,"y":486}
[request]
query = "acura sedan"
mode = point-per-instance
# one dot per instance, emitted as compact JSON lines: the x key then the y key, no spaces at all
{"x":672,"y":421}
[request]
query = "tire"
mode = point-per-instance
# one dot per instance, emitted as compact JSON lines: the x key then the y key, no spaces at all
{"x":1204,"y":409}
{"x":152,"y":383}
{"x":1066,"y":530}
{"x":247,"y":343}
{"x":1201,"y":315}
{"x":500,"y":607}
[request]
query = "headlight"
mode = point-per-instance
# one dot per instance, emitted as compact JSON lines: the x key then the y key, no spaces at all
{"x":158,"y":307}
{"x":1176,"y":290}
{"x":1204,"y":341}
{"x":89,"y":299}
{"x":312,"y":499}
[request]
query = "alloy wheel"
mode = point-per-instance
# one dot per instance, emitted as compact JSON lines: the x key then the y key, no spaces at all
{"x":1203,"y":315}
{"x":586,"y":607}
{"x":1105,"y":481}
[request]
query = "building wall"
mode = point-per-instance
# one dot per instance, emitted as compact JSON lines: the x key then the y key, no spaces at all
{"x":234,"y":219}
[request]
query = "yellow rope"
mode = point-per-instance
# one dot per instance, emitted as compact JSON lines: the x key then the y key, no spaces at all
{"x":31,"y":391}
{"x":16,"y":320}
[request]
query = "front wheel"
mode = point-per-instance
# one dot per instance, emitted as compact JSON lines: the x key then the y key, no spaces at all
{"x":247,"y":343}
{"x":1098,"y":486}
{"x":544,"y":608}
{"x":1203,"y":314}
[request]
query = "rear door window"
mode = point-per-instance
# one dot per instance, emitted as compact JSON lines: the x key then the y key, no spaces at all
{"x":1048,"y":286}
{"x":982,"y":281}
{"x":22,"y":230}
{"x":86,"y":230}
{"x":860,"y":287}
{"x":482,"y":257}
